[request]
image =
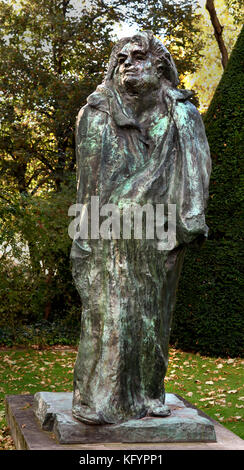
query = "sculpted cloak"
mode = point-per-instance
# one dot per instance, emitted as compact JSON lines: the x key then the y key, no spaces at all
{"x":128,"y":287}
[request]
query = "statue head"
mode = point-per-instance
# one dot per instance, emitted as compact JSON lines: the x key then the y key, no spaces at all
{"x":140,"y":63}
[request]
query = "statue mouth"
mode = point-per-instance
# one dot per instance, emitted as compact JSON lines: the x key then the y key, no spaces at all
{"x":130,"y":72}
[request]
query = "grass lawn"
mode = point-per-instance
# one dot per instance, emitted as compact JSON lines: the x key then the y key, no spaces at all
{"x":214,"y":385}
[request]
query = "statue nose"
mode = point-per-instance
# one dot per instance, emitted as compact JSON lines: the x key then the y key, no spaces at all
{"x":128,"y":61}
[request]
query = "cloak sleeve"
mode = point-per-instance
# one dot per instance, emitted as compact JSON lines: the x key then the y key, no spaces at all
{"x":89,"y":131}
{"x":192,"y":173}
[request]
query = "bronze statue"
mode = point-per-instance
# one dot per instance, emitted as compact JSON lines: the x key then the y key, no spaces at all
{"x":139,"y":140}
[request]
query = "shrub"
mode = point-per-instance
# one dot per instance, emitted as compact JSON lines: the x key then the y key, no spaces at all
{"x":35,"y":276}
{"x":208,"y":316}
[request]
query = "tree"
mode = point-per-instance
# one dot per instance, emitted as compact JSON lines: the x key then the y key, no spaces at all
{"x":205,"y":80}
{"x":52,"y":59}
{"x":218,"y":30}
{"x":235,"y":7}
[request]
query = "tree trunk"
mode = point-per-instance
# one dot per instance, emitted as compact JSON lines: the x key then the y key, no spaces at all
{"x":218,"y":30}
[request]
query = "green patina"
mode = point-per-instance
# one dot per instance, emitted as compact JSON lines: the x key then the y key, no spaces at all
{"x":139,"y":140}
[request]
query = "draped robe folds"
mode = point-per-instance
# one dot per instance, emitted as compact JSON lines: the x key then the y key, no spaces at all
{"x":128,"y":287}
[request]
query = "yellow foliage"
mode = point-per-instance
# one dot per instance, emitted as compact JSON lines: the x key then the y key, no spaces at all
{"x":205,"y":80}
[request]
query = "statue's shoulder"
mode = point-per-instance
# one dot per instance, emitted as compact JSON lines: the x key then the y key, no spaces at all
{"x":94,"y":114}
{"x":184,"y":111}
{"x":188,"y":119}
{"x":87,"y":113}
{"x":89,"y":121}
{"x":100,"y":99}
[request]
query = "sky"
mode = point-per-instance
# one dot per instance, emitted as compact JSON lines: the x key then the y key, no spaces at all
{"x":123,"y":29}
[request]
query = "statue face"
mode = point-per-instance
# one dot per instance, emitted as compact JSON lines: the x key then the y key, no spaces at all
{"x":136,"y":70}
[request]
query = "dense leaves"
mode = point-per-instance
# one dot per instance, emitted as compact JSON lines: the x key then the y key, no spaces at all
{"x":236,"y":9}
{"x":224,"y":126}
{"x":52,"y":58}
{"x":208,"y":316}
{"x":35,"y":275}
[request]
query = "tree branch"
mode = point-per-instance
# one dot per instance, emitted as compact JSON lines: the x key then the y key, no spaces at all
{"x":39,"y":185}
{"x":218,"y":30}
{"x":5,"y":199}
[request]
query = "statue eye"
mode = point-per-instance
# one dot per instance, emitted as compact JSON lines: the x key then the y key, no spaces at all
{"x":121,"y":59}
{"x":139,"y":57}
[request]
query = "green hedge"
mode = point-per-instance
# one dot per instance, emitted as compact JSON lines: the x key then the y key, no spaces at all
{"x":209,"y":313}
{"x":209,"y":318}
{"x":41,"y":334}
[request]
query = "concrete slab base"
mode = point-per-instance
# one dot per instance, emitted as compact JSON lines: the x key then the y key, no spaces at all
{"x":54,"y":410}
{"x":28,"y":434}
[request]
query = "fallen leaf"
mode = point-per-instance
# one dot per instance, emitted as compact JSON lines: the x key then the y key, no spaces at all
{"x":233,"y":419}
{"x":206,"y":399}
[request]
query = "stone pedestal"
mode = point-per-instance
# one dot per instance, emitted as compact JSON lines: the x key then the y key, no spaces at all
{"x":54,"y":411}
{"x":28,"y":433}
